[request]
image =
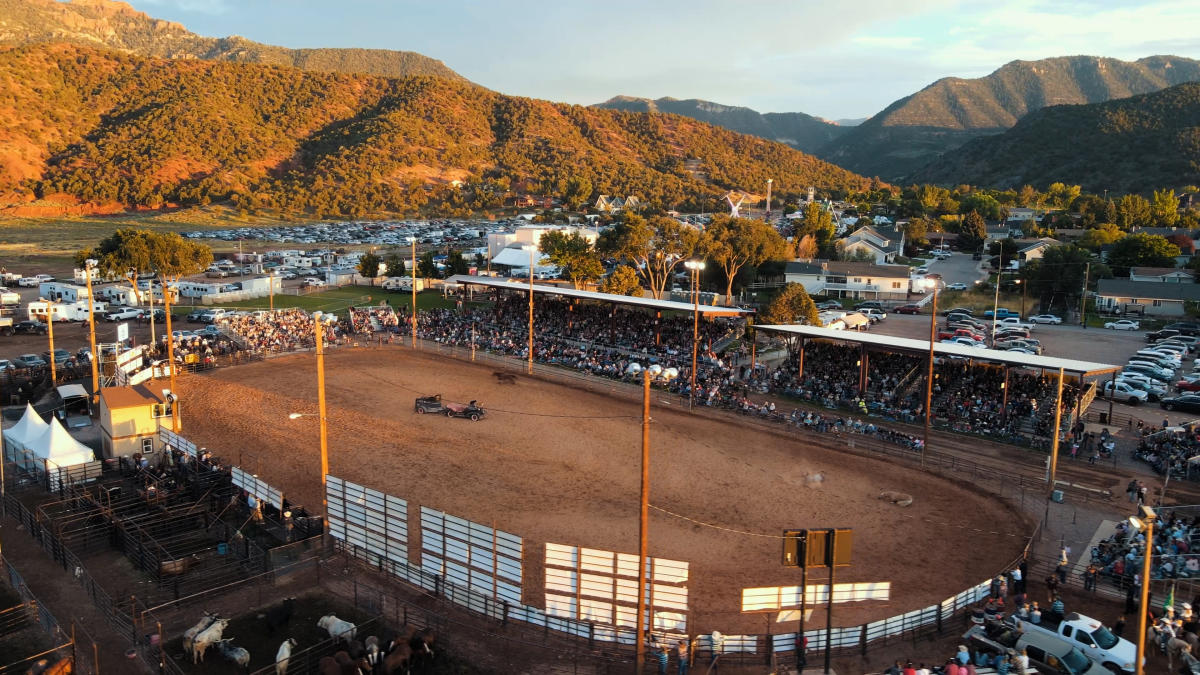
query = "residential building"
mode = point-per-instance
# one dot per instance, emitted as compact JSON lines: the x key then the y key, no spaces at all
{"x":1161,"y":274}
{"x":1150,"y":298}
{"x":882,"y":243}
{"x":130,"y":418}
{"x":850,"y":279}
{"x":1034,"y":250}
{"x":606,"y":204}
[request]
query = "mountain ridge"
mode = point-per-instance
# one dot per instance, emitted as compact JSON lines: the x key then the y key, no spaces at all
{"x":117,"y":25}
{"x":1135,"y":144}
{"x":801,"y":131}
{"x":100,"y":127}
{"x":952,"y":111}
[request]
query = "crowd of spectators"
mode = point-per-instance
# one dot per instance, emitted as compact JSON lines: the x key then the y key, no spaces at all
{"x":283,"y":330}
{"x":1168,"y":450}
{"x":197,"y":350}
{"x":367,"y":320}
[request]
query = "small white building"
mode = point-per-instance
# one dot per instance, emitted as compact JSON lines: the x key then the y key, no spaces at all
{"x":531,"y":235}
{"x":850,"y":279}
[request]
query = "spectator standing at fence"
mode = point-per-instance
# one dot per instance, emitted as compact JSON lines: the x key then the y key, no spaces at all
{"x":683,"y":657}
{"x":718,"y":646}
{"x":662,"y":657}
{"x":1089,"y":578}
{"x":1119,"y":627}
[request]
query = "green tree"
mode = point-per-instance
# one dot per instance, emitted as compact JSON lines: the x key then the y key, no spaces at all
{"x":1165,"y":208}
{"x":577,"y":192}
{"x":1141,"y":250}
{"x":426,"y":267}
{"x":396,"y":264}
{"x":915,"y":230}
{"x":1101,"y":235}
{"x":622,"y":281}
{"x":1057,"y":279}
{"x":791,"y":305}
{"x":1061,"y":195}
{"x":130,"y":252}
{"x":819,"y":224}
{"x":656,"y":247}
{"x":1133,"y":211}
{"x":805,"y":247}
{"x":456,"y":264}
{"x":574,"y":254}
{"x":983,"y":204}
{"x":368,"y":266}
{"x":734,"y":243}
{"x":973,"y":232}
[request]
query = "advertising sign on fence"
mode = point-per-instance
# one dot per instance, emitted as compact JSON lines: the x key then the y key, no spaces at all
{"x":258,"y":487}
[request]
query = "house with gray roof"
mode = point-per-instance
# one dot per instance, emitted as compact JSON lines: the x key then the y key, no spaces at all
{"x":1149,"y":298}
{"x":881,"y":242}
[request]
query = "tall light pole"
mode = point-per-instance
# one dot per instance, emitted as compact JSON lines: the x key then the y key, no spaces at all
{"x":532,"y":250}
{"x":996,"y":302}
{"x":1023,"y":285}
{"x":89,"y":266}
{"x":413,"y":289}
{"x":929,"y":376}
{"x":1146,"y":524}
{"x":176,"y":425}
{"x":50,"y":331}
{"x":319,"y":330}
{"x":694,"y":266}
{"x":643,"y":524}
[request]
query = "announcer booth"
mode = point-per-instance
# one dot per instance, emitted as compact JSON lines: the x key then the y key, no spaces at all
{"x":129,"y":419}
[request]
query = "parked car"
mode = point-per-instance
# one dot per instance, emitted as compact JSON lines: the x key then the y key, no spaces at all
{"x":1184,"y":327}
{"x":829,"y":304}
{"x":1184,"y":402}
{"x":313,"y":282}
{"x":1013,"y":322}
{"x":195,"y":314}
{"x":160,"y":315}
{"x":1188,"y":385}
{"x":922,"y":270}
{"x":1001,"y":313}
{"x":1123,"y":324}
{"x":957,"y":286}
{"x":959,"y":310}
{"x":5,"y":364}
{"x":61,"y":356}
{"x":1155,"y":391}
{"x":1149,"y":369}
{"x":1010,"y":345}
{"x":906,"y":309}
{"x":29,"y":361}
{"x":123,"y":314}
{"x":1124,"y":391}
{"x":31,"y":327}
{"x":1045,"y":318}
{"x":1164,"y":334}
{"x":869,"y":304}
{"x":875,"y":315}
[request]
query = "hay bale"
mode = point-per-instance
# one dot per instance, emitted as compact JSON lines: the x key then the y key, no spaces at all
{"x":897,"y":498}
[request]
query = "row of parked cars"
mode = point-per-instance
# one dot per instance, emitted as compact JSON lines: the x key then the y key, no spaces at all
{"x":1003,"y":330}
{"x":1150,"y":372}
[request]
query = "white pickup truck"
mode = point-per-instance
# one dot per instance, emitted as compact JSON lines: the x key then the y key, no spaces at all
{"x":1089,"y":635}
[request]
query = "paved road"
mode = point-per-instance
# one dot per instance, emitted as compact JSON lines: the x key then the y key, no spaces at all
{"x":958,"y":268}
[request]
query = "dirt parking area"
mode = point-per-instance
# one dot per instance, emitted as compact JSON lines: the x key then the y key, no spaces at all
{"x":552,"y":463}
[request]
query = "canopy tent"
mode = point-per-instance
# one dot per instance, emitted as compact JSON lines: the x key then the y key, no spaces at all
{"x":59,"y":449}
{"x":514,"y":256}
{"x":20,"y":437}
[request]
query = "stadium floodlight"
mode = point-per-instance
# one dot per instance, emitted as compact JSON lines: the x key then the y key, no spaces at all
{"x":1145,"y":524}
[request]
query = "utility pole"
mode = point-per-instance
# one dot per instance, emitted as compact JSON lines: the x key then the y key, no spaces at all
{"x":1087,"y":268}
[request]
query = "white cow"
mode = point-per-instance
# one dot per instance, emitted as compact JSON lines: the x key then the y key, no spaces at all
{"x":190,"y":634}
{"x":282,"y":656}
{"x":207,"y":638}
{"x":340,"y":631}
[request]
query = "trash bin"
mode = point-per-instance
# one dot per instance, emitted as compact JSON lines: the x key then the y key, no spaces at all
{"x":223,"y":548}
{"x":1057,"y":496}
{"x":1103,"y":418}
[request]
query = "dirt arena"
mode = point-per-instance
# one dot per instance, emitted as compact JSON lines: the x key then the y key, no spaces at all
{"x":552,"y":463}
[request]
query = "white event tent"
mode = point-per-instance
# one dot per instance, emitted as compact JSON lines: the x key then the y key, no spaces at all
{"x":19,"y":438}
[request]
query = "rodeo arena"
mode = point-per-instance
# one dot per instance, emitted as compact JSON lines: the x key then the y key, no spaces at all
{"x":467,"y":491}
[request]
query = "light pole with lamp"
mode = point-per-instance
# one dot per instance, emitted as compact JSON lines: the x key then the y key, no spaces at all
{"x":89,"y":267}
{"x":695,"y":267}
{"x":50,"y":332}
{"x":532,"y":249}
{"x":319,"y":333}
{"x":413,"y":287}
{"x":1023,"y":285}
{"x":1146,"y":524}
{"x":933,"y":284}
{"x":996,"y":301}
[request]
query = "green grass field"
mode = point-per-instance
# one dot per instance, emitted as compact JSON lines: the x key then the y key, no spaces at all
{"x":338,"y":299}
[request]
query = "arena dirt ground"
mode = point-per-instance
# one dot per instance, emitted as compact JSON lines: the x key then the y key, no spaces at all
{"x":552,"y":463}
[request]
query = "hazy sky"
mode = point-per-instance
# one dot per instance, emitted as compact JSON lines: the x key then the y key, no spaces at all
{"x":833,"y":59}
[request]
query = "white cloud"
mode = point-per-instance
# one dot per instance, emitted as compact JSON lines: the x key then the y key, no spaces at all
{"x":894,"y":42}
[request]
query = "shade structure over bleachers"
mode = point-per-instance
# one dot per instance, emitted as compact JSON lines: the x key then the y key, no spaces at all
{"x":649,"y":303}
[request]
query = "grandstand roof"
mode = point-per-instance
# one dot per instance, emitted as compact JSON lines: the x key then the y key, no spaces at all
{"x":942,"y":349}
{"x":651,"y":303}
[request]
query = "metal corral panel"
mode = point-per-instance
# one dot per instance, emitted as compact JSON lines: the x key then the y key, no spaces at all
{"x":606,"y":584}
{"x":476,"y":556}
{"x":368,"y":518}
